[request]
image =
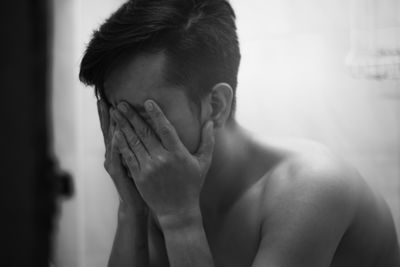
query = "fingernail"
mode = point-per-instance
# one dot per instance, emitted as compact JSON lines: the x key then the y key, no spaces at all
{"x":148,"y":105}
{"x":123,"y":107}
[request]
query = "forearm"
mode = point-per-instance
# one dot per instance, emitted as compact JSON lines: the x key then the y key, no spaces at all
{"x":130,"y":242}
{"x":186,"y":241}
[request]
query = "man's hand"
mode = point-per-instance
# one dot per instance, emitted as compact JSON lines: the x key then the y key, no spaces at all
{"x":168,"y":177}
{"x":130,"y":242}
{"x":129,"y":197}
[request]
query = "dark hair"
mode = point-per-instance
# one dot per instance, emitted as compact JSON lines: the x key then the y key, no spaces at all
{"x":198,"y":38}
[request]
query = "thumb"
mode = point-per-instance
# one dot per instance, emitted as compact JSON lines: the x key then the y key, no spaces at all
{"x":206,"y":148}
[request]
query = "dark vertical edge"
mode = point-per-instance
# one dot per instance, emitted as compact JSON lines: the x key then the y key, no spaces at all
{"x":45,"y":193}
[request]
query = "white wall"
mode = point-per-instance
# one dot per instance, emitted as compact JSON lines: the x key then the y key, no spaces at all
{"x":292,"y":82}
{"x":86,"y":228}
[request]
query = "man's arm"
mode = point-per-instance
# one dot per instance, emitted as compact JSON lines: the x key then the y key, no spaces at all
{"x":130,"y":241}
{"x":308,"y":211}
{"x":186,"y":241}
{"x":169,"y":178}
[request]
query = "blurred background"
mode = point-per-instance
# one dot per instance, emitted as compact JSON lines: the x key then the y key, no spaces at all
{"x":325,"y":70}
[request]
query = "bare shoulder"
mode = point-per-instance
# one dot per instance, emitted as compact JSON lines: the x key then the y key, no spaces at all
{"x":309,"y":201}
{"x":314,"y":203}
{"x":311,"y":175}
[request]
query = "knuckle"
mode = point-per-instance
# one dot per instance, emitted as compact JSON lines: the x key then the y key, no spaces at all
{"x":166,"y":160}
{"x":137,"y":144}
{"x":161,"y":159}
{"x":157,"y":115}
{"x":164,"y":130}
{"x":133,"y":140}
{"x":147,"y":169}
{"x":156,"y":112}
{"x":130,"y":159}
{"x":144,"y":132}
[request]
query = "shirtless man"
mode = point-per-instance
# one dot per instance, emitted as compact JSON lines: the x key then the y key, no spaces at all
{"x":195,"y":188}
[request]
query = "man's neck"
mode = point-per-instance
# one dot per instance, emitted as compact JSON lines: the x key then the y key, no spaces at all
{"x":231,"y":153}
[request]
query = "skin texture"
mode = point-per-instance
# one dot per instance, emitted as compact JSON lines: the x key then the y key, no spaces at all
{"x":141,"y":79}
{"x":207,"y":194}
{"x":130,"y":247}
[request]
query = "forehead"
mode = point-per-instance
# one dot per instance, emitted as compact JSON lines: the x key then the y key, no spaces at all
{"x":139,"y":78}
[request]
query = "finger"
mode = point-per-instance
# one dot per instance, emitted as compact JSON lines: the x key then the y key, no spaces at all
{"x":127,"y":155}
{"x":104,"y":117}
{"x":125,"y":184}
{"x":204,"y":152}
{"x":123,"y":161}
{"x":163,"y":127}
{"x":132,"y":139}
{"x":142,"y":129}
{"x":111,"y":128}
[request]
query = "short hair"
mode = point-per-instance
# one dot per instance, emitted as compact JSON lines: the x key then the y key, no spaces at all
{"x":198,"y":38}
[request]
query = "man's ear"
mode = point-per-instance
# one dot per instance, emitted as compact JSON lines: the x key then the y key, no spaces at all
{"x":221,"y":97}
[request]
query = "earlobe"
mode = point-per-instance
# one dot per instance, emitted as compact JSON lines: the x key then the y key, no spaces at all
{"x":221,"y":103}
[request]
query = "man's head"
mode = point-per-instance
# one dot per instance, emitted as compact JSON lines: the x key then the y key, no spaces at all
{"x":187,"y":45}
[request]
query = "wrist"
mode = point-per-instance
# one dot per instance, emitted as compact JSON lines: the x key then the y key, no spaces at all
{"x":178,"y":221}
{"x":129,"y":213}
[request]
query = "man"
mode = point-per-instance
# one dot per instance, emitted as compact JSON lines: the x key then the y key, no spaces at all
{"x":195,"y":189}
